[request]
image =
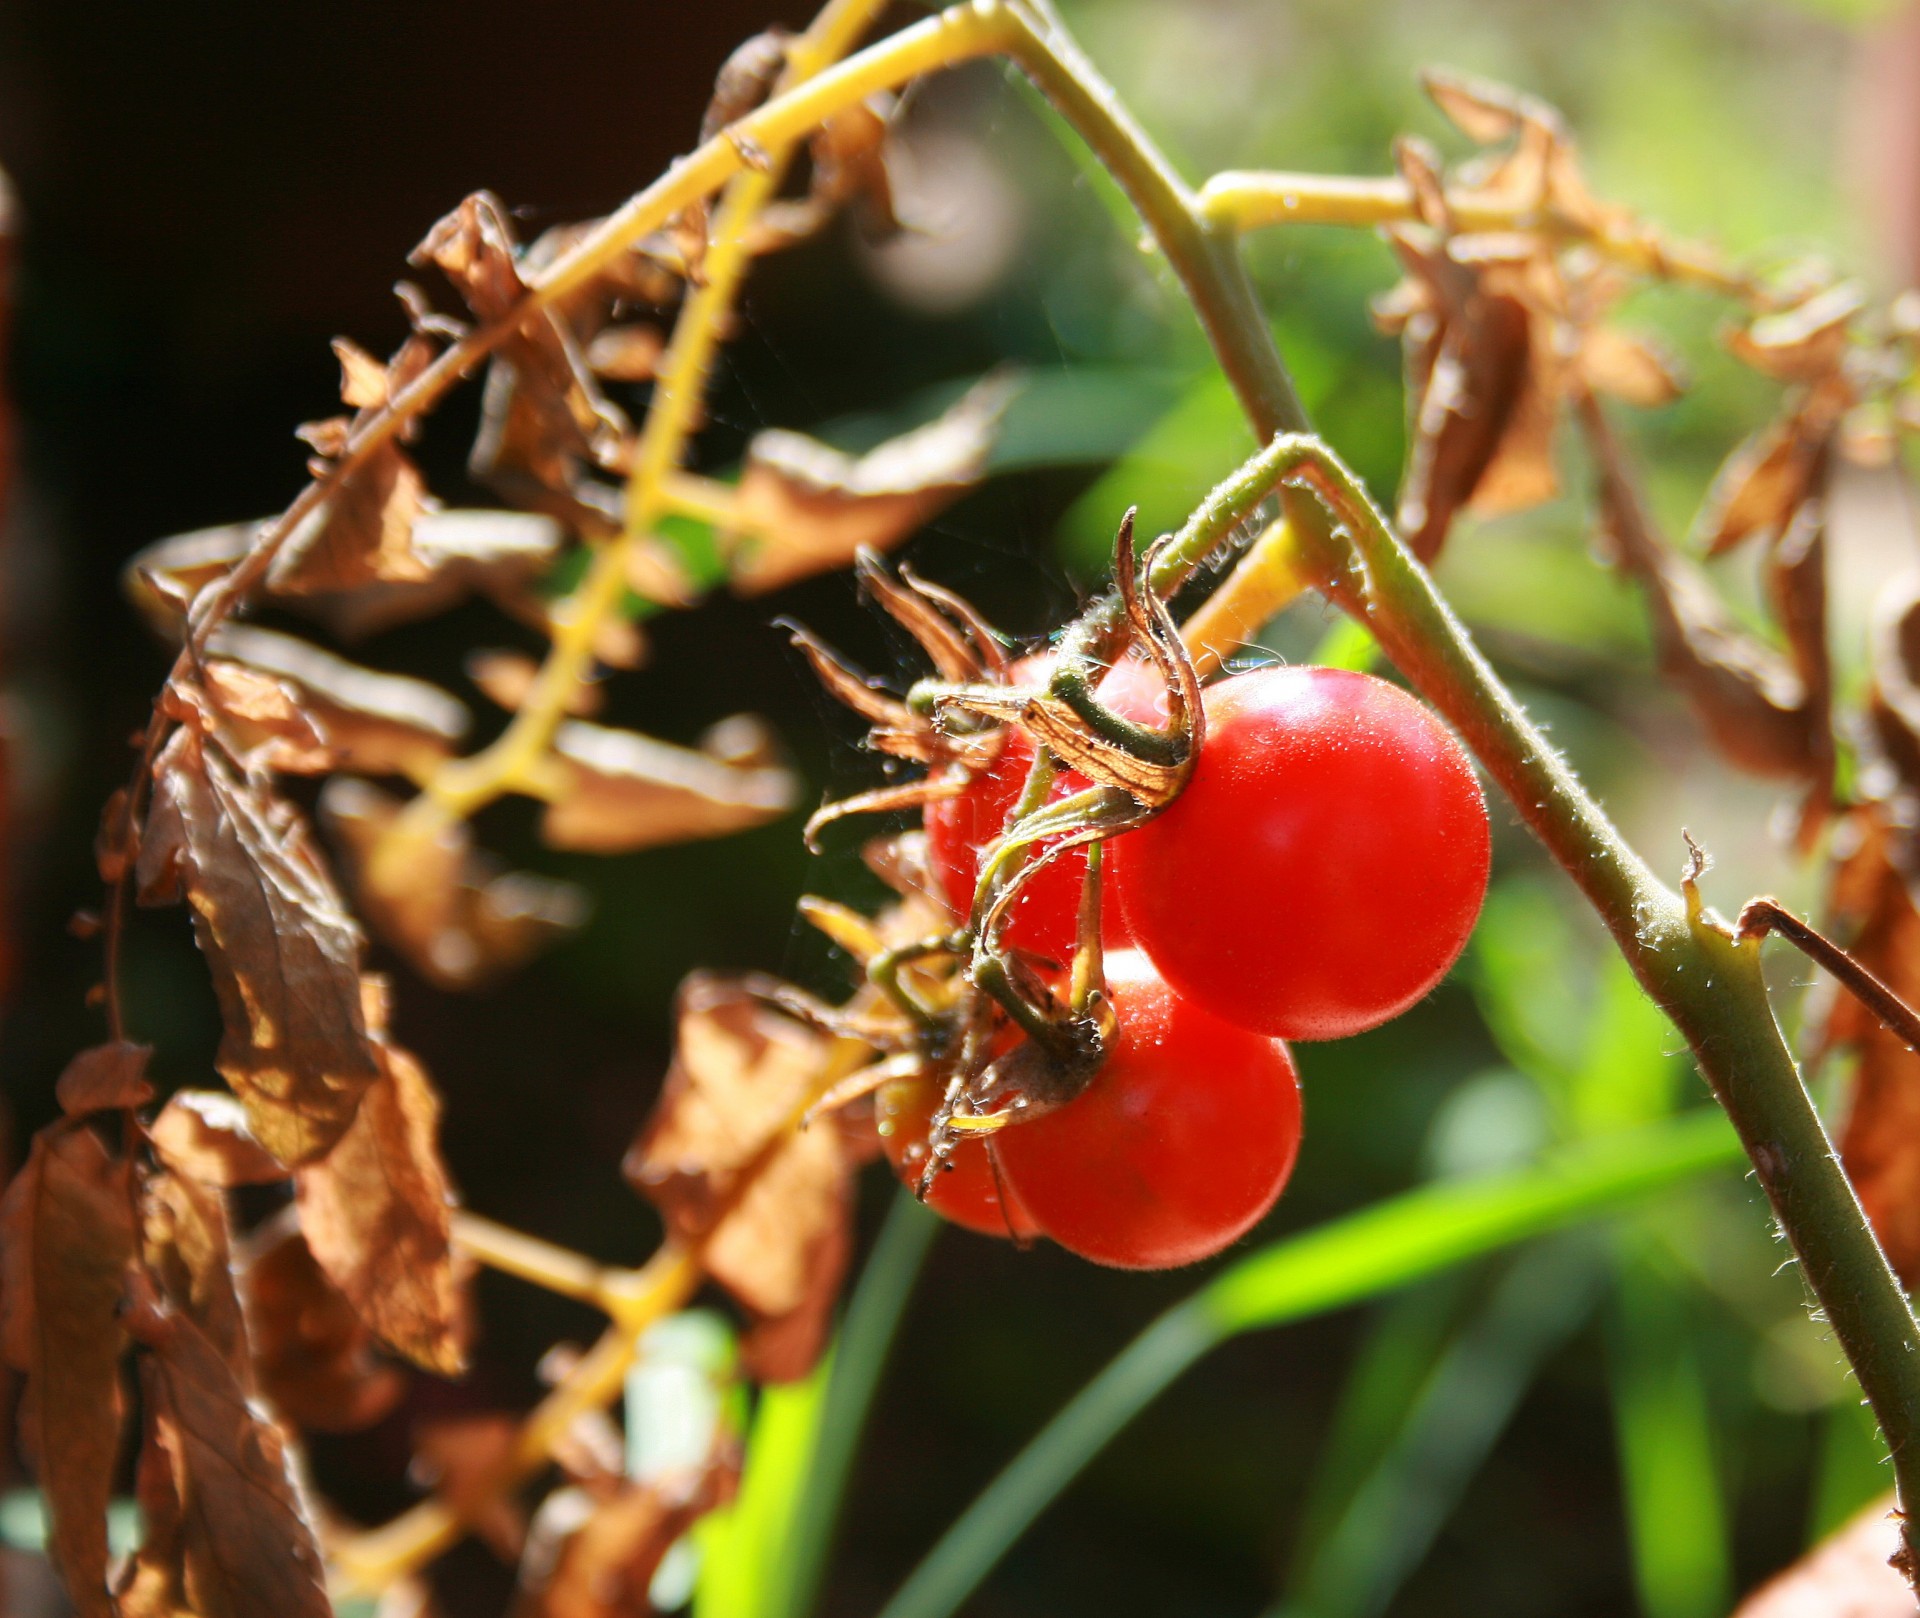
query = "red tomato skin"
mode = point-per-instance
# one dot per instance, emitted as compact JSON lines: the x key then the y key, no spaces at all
{"x":966,"y":1194}
{"x":1324,"y":866}
{"x":1178,"y":1147}
{"x":1046,"y":917}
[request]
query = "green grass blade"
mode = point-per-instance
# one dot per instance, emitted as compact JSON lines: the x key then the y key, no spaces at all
{"x":860,"y":1355}
{"x":744,"y":1548}
{"x":1440,"y":1225}
{"x":1466,"y":1404}
{"x":1341,"y":1263}
{"x":1676,"y":1506}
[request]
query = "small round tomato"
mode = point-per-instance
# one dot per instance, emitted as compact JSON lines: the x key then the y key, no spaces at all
{"x":967,"y":1191}
{"x":1046,"y":916}
{"x":1324,"y":865}
{"x":1178,"y":1146}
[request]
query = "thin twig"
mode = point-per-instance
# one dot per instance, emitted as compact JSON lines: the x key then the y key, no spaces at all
{"x":1764,"y":915}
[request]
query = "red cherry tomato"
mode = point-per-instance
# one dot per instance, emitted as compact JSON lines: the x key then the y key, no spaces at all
{"x":968,"y":1192}
{"x":1046,"y":917}
{"x":1179,"y":1145}
{"x":1325,"y":864}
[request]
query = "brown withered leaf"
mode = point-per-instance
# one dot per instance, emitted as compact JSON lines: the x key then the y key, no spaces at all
{"x":262,"y":721}
{"x":1894,"y":656}
{"x":617,"y":791}
{"x":1849,"y":1574}
{"x":626,"y":353}
{"x":104,"y":1079}
{"x":189,"y":1251}
{"x":366,"y":721}
{"x":1761,"y":712}
{"x":1772,"y":474}
{"x":1805,"y":343}
{"x":314,"y":1358}
{"x":246,"y":1546}
{"x":722,"y":1162}
{"x":544,"y":421}
{"x":1471,"y":376}
{"x":1880,"y":1140}
{"x":377,"y":1212}
{"x":499,"y":553}
{"x":506,"y":677}
{"x":1629,"y":367}
{"x":595,"y":1557}
{"x":461,"y":1457}
{"x":850,"y":165}
{"x":363,"y":531}
{"x":455,"y":916}
{"x":203,"y":1134}
{"x":283,"y":951}
{"x":804,"y":508}
{"x":66,"y":1242}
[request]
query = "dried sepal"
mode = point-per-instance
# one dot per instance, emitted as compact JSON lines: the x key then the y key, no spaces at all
{"x":804,"y":508}
{"x":283,"y":951}
{"x":67,"y":1240}
{"x":615,"y":791}
{"x":452,"y":912}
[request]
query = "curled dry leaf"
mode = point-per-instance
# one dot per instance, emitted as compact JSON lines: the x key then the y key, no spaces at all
{"x":595,"y":1556}
{"x":1805,"y":343}
{"x":105,"y":1079}
{"x":461,"y":1458}
{"x":544,"y":421}
{"x":225,"y":1501}
{"x":616,"y":791}
{"x":366,"y":721}
{"x":626,"y":353}
{"x":1849,"y":1574}
{"x":363,"y":530}
{"x":1772,"y":474}
{"x":1762,"y":711}
{"x":505,"y":678}
{"x":377,"y":1213}
{"x":1482,"y":425}
{"x":203,"y":1134}
{"x":451,"y":912}
{"x":499,"y":553}
{"x":804,"y":508}
{"x":283,"y":951}
{"x":723,"y":1162}
{"x":67,"y":1240}
{"x":188,"y":1250}
{"x":314,"y":1358}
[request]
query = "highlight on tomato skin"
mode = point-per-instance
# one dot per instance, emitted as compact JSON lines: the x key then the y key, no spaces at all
{"x":1324,"y":866}
{"x":1046,"y":916}
{"x":1179,"y":1145}
{"x":966,"y":1192}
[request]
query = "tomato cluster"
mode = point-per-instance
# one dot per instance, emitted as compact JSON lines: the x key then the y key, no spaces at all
{"x":1318,"y":874}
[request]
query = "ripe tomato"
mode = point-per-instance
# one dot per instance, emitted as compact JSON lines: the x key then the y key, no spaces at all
{"x":1046,"y":916}
{"x":1178,"y":1146}
{"x":1324,"y":865}
{"x":968,"y":1192}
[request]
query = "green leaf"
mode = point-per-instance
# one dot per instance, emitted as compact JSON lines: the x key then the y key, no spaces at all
{"x":1337,"y":1264}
